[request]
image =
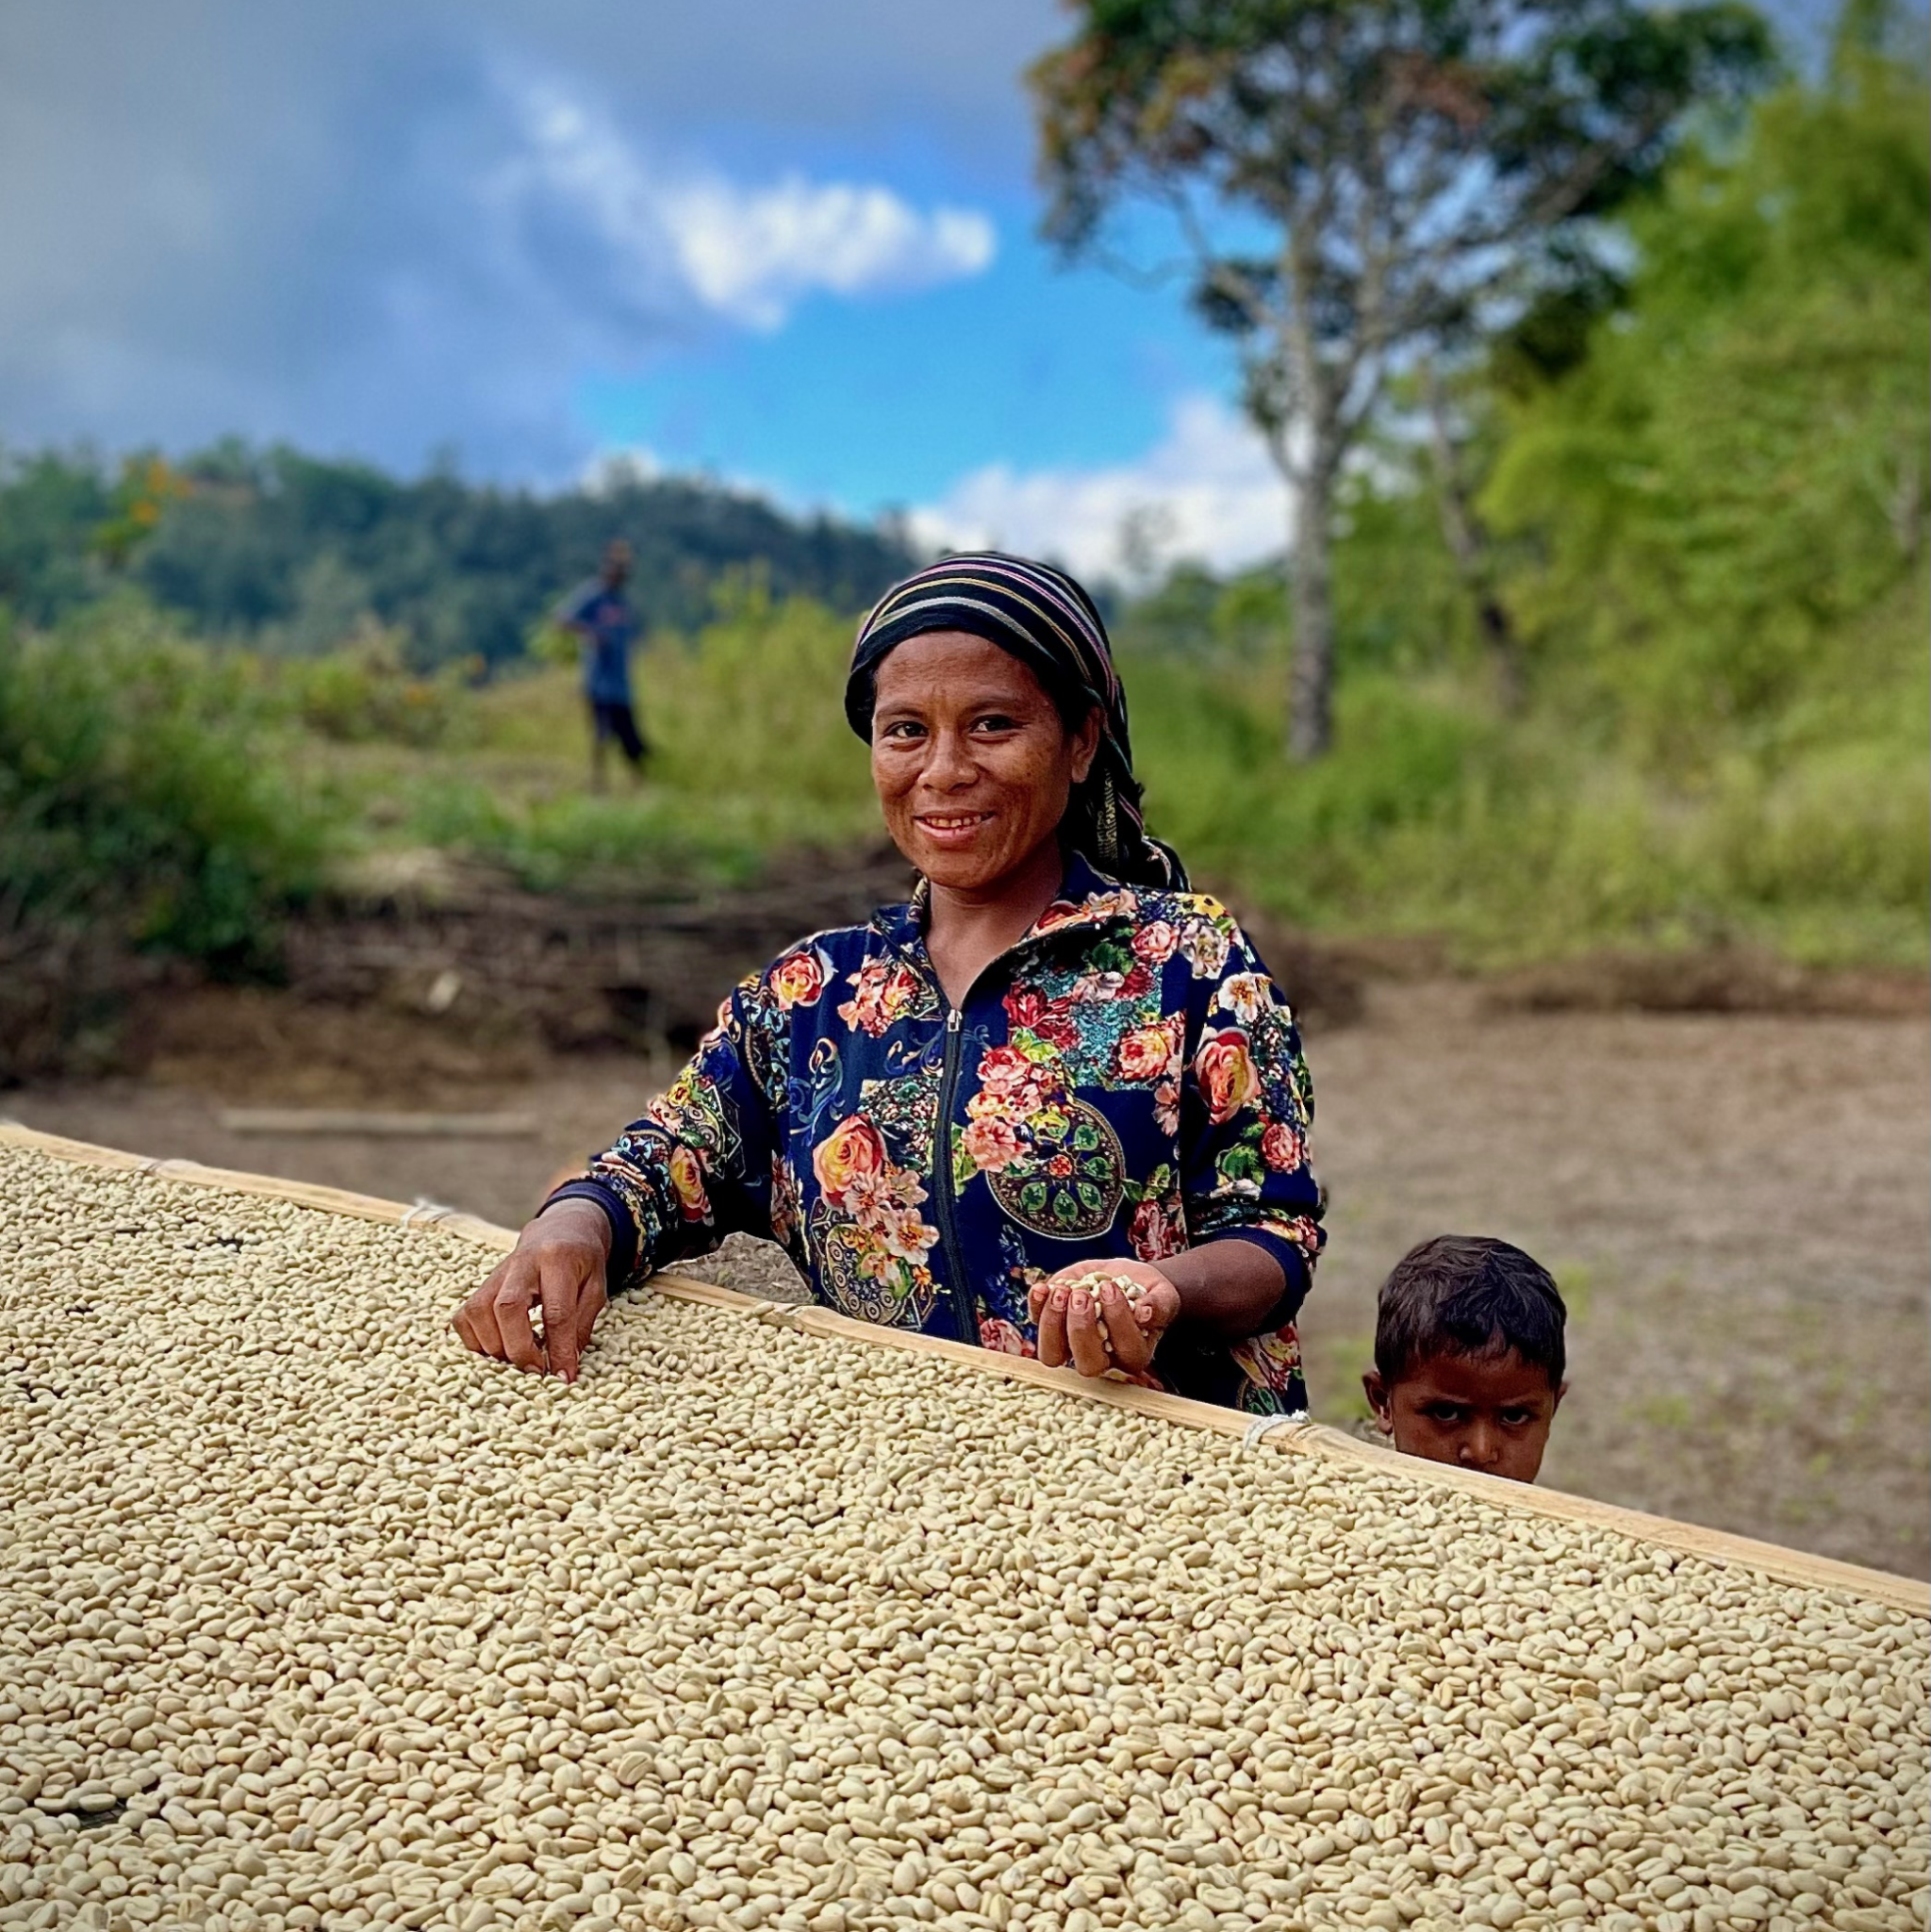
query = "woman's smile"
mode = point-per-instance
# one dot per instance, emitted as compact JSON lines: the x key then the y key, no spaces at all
{"x":953,"y":829}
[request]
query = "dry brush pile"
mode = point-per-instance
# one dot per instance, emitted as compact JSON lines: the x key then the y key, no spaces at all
{"x":308,"y":1620}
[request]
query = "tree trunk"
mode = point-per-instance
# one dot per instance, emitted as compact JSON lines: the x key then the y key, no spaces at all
{"x":1468,"y":544}
{"x":1311,"y":676}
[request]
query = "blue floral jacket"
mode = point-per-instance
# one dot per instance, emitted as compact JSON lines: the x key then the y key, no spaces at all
{"x":1127,"y":1081}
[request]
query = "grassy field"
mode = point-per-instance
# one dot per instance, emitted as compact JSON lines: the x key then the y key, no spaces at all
{"x":194,"y":793}
{"x":1510,"y":839}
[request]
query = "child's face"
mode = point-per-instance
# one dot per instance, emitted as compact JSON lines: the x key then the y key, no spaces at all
{"x":1490,"y":1412}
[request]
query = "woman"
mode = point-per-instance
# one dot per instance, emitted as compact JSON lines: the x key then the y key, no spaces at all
{"x":1056,"y":1066}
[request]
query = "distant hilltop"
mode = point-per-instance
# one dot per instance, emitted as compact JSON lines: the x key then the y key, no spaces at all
{"x":293,"y":553}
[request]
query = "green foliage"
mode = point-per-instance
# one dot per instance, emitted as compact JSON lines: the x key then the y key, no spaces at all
{"x":147,"y":485}
{"x":1398,"y":601}
{"x":294,"y":555}
{"x":1712,"y":496}
{"x":1534,"y":838}
{"x":1355,"y":130}
{"x":648,"y":845}
{"x":365,"y":691}
{"x":135,"y":795}
{"x":1736,"y":475}
{"x":752,"y":710}
{"x":50,"y":506}
{"x":1713,"y":506}
{"x":1197,"y":616}
{"x":1712,"y":502}
{"x":1360,"y":184}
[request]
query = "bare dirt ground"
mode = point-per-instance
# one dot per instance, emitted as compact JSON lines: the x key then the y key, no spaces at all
{"x":1736,"y":1206}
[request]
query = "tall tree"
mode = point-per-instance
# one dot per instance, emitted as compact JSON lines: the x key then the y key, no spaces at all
{"x":1357,"y":181}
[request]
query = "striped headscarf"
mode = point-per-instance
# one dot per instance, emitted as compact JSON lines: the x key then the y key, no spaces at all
{"x":1049,"y":623}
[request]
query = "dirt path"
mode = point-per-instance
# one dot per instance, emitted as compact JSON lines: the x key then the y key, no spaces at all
{"x":1736,"y":1208}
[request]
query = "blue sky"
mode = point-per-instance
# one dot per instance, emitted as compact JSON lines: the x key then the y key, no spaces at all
{"x":891,"y":400}
{"x":793,"y":247}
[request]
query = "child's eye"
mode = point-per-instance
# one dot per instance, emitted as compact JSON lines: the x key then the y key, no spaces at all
{"x":1446,"y":1412}
{"x":1517,"y":1418}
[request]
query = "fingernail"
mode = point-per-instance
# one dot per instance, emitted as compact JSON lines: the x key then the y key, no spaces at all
{"x":1110,"y":1295}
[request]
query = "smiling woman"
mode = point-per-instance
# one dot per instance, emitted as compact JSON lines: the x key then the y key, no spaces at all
{"x":1054,"y":1105}
{"x":974,"y":768}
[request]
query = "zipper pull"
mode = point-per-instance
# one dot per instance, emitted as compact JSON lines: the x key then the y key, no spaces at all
{"x":952,"y":1018}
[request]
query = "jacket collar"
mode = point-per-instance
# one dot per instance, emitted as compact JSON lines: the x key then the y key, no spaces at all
{"x":1087,"y":897}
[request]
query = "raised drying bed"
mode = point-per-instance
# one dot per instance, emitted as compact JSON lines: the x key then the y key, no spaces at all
{"x":309,"y":1619}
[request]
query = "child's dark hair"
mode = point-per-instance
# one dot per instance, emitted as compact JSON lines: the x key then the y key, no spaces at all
{"x":1465,"y":1294}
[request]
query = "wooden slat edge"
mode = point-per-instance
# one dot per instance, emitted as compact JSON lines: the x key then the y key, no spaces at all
{"x":329,"y":1201}
{"x":1335,"y":1445}
{"x":1774,"y":1561}
{"x":276,"y":1122}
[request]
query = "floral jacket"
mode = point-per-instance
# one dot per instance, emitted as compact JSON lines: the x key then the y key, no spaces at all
{"x":1127,"y":1081}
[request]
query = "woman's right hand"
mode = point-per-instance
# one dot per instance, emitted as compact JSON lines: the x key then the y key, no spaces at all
{"x":558,"y":1266}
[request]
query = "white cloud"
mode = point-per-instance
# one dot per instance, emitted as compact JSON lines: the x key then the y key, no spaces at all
{"x":391,"y":263}
{"x":749,"y":254}
{"x":1207,"y":493}
{"x":752,"y":253}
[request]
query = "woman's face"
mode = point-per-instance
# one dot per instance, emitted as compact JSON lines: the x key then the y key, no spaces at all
{"x":972,"y":762}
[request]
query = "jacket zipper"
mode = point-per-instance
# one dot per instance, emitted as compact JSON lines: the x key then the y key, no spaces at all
{"x":942,"y":1179}
{"x":942,"y":1199}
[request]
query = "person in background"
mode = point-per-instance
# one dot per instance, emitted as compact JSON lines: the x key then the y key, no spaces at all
{"x":1469,"y":1355}
{"x":600,"y":616}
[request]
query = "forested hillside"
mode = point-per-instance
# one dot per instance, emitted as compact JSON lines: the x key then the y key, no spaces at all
{"x":292,"y":554}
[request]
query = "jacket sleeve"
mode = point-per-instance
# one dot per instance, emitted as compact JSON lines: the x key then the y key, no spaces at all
{"x":1246,"y":1104}
{"x":697,"y":1166}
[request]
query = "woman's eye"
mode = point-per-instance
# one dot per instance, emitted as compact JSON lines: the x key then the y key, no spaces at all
{"x":996,"y":722}
{"x":901,"y":729}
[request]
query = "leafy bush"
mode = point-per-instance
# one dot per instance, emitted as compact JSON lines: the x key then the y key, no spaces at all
{"x":134,"y":793}
{"x":365,"y":691}
{"x":750,"y":717}
{"x":1540,"y":837}
{"x":1733,"y":480}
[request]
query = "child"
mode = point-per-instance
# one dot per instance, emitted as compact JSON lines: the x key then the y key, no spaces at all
{"x":1469,"y":1355}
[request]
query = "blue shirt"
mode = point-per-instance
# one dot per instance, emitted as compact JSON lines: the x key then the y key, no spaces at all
{"x":1127,"y":1081}
{"x":608,"y":616}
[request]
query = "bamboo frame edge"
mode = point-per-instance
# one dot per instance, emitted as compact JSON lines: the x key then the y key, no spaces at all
{"x":1776,"y":1561}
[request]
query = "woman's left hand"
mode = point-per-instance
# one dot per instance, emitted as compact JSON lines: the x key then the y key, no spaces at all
{"x":1069,"y":1331}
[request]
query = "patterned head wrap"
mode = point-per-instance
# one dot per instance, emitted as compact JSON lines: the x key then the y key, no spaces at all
{"x":1049,"y":623}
